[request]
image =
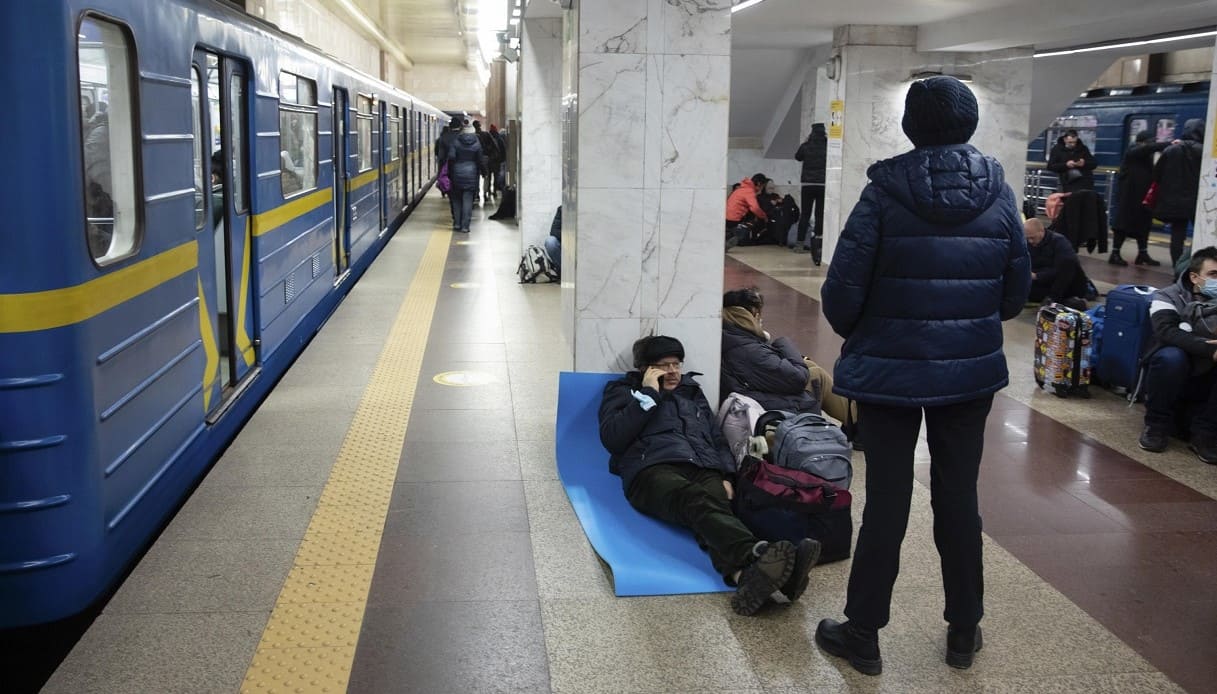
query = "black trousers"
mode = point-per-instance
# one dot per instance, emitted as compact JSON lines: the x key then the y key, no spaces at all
{"x":694,"y":498}
{"x":956,"y":436}
{"x":1067,"y":280}
{"x":813,"y":196}
{"x":1178,"y":236}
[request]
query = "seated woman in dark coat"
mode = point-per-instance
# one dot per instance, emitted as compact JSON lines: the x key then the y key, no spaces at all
{"x":675,"y":465}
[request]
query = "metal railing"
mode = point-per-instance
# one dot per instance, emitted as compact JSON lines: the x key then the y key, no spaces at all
{"x":1039,"y":183}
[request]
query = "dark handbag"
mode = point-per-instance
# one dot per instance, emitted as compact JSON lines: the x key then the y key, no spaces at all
{"x":780,"y":504}
{"x":1151,"y":196}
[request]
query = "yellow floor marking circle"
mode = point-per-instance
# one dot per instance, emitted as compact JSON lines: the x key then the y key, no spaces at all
{"x":308,"y":644}
{"x":463,"y":378}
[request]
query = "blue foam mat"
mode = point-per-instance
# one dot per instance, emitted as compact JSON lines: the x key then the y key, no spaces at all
{"x":647,"y":556}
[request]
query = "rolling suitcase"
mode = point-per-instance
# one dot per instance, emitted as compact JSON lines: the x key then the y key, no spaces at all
{"x":1062,"y":351}
{"x":1126,"y":332}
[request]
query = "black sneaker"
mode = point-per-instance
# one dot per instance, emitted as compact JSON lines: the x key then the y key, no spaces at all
{"x":771,"y":570}
{"x":1205,"y":449}
{"x":1115,"y":259}
{"x":962,"y":645}
{"x":858,"y":645}
{"x":1144,"y":259}
{"x":1153,"y":440}
{"x":806,"y":554}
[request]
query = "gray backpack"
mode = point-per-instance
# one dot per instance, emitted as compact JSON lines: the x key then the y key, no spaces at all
{"x":1202,"y":315}
{"x":811,"y":443}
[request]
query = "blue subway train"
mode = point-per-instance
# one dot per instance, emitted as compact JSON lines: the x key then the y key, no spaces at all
{"x":189,"y":194}
{"x":1108,"y":120}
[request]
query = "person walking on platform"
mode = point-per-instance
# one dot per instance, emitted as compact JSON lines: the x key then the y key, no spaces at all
{"x":1177,"y":174}
{"x":443,"y":144}
{"x":1133,"y":220}
{"x":814,"y":155}
{"x":931,"y":260}
{"x":466,"y":165}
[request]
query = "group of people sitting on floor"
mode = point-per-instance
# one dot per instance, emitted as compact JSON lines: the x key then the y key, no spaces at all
{"x":758,"y":215}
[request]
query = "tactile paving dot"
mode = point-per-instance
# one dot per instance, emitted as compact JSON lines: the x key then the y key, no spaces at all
{"x":304,"y":670}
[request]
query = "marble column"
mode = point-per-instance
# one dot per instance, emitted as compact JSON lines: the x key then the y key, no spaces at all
{"x":539,"y":188}
{"x":645,"y":105}
{"x":873,"y":71}
{"x":1205,"y":232}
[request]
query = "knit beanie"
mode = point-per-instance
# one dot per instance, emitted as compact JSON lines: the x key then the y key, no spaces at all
{"x":651,"y":349}
{"x":939,"y":111}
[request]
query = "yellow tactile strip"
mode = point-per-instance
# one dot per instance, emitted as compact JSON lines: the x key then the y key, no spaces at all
{"x":309,"y":643}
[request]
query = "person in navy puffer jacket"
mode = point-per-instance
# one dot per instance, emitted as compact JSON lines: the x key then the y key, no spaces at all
{"x":929,"y":264}
{"x":466,"y":165}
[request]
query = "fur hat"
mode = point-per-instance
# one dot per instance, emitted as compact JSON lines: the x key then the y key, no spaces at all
{"x":939,"y":111}
{"x":649,"y":350}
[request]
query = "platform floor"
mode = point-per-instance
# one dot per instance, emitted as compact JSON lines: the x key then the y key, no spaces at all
{"x":374,"y":530}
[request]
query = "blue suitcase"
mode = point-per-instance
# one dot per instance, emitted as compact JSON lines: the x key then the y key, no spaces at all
{"x":1126,"y":332}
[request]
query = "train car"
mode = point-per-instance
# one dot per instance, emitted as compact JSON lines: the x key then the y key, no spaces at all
{"x":1107,"y":121}
{"x":190,"y":193}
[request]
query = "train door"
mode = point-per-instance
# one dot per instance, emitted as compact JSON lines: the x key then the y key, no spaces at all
{"x":382,"y":143}
{"x":222,"y":133}
{"x":342,"y":218}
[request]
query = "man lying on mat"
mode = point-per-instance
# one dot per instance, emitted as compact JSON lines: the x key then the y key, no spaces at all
{"x":675,"y":465}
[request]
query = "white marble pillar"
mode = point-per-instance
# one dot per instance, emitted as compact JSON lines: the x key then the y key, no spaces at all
{"x":1205,"y":232}
{"x":539,"y":188}
{"x":872,"y":79}
{"x":645,"y":144}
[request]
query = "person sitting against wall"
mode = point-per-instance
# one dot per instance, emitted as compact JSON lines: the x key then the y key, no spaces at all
{"x":1180,"y":379}
{"x":746,"y":219}
{"x":553,"y":242}
{"x":772,"y":370}
{"x":676,"y":466}
{"x":1056,"y":274}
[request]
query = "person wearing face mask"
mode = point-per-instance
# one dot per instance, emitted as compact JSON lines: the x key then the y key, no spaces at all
{"x":1179,"y":374}
{"x":676,"y":466}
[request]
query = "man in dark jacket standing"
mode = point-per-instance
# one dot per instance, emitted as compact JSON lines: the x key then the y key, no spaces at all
{"x":1179,"y":367}
{"x":1177,"y":174}
{"x":676,"y":466}
{"x":1133,"y":220}
{"x":814,"y":155}
{"x":930,"y":262}
{"x":466,"y":165}
{"x":1071,"y":159}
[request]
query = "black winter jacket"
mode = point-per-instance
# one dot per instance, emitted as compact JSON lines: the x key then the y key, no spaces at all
{"x":681,"y":428}
{"x":1056,"y":162}
{"x":1178,"y":174}
{"x":1051,"y":249}
{"x":466,"y":162}
{"x":814,"y":155}
{"x":443,"y":144}
{"x":774,"y":374}
{"x":1136,"y":173}
{"x":931,"y":261}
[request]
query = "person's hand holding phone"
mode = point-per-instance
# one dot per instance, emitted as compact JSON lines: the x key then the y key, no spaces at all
{"x":652,"y":377}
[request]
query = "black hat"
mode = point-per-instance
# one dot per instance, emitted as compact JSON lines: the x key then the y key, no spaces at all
{"x":455,"y":122}
{"x":939,"y":111}
{"x":649,"y":350}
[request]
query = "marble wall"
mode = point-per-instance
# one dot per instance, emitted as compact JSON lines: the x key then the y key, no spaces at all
{"x":645,"y":125}
{"x":1205,"y":233}
{"x":539,"y":187}
{"x":876,"y":64}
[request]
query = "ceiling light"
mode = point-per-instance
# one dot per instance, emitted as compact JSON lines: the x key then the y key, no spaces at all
{"x":745,"y":5}
{"x":1127,"y":44}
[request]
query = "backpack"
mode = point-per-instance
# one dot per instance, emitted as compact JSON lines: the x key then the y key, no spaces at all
{"x":777,"y":503}
{"x":534,"y":264}
{"x":1202,"y":315}
{"x":737,"y":417}
{"x":810,"y":443}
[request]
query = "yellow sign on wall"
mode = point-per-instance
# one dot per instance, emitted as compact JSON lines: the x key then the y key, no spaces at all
{"x":836,"y":119}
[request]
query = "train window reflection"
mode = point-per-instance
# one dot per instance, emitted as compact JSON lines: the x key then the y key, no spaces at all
{"x":104,"y":53}
{"x":297,"y":133}
{"x":363,"y":126}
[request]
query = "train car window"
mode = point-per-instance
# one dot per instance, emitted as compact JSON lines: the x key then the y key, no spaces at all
{"x":395,"y":133}
{"x":297,"y":133}
{"x":105,"y":57}
{"x":196,"y":108}
{"x":363,"y":127}
{"x":1166,"y":130}
{"x":1135,"y":126}
{"x":236,"y":91}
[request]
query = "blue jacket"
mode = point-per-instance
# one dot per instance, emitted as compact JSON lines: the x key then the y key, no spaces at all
{"x":466,"y":161}
{"x":930,"y":262}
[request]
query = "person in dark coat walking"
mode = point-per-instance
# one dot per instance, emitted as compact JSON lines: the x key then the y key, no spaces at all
{"x":931,"y":261}
{"x":1071,"y":159}
{"x":814,"y":155}
{"x":676,"y":466}
{"x":1133,"y":220}
{"x":490,"y":149}
{"x":466,"y":165}
{"x":1177,"y":174}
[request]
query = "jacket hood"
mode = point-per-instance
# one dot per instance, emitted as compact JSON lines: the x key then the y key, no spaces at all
{"x":743,"y":319}
{"x":1193,"y":129}
{"x":952,"y":184}
{"x":469,"y":138}
{"x":817,"y":129}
